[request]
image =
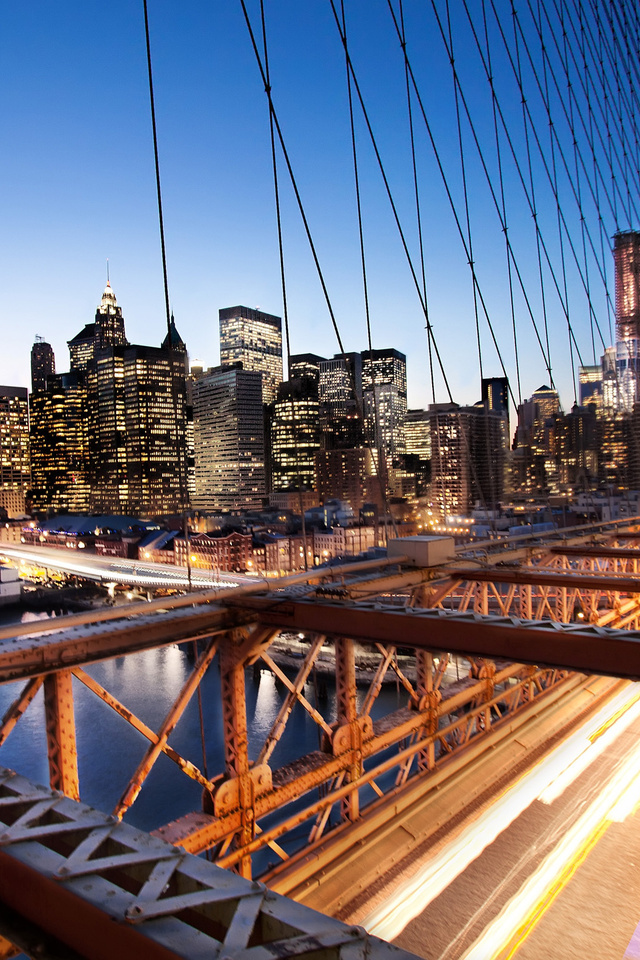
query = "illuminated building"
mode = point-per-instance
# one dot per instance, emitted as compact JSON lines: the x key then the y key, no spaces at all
{"x":107,"y":330}
{"x":495,"y":397}
{"x":626,"y":258}
{"x":43,"y":364}
{"x":340,"y":392}
{"x":295,"y":435}
{"x":417,"y":434}
{"x":134,"y":419}
{"x":59,"y":445}
{"x":467,"y":458}
{"x":345,"y":473}
{"x":305,"y":365}
{"x":590,"y":386}
{"x":14,"y":447}
{"x":228,"y":432}
{"x":254,"y":339}
{"x":384,"y":399}
{"x":220,"y":553}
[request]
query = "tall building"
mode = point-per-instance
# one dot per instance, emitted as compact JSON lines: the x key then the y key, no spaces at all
{"x":14,"y":448}
{"x":626,"y":259}
{"x":467,"y":457}
{"x":295,"y":435}
{"x":43,"y":364}
{"x":417,"y":434}
{"x":384,"y":397}
{"x":59,"y":445}
{"x":254,"y":339}
{"x":109,"y":436}
{"x":228,"y":439}
{"x":305,"y":365}
{"x":340,"y":393}
{"x":107,"y":330}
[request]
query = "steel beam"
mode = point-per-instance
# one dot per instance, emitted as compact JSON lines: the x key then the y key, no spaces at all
{"x":61,"y":734}
{"x":106,"y":889}
{"x":536,"y":576}
{"x":588,"y":649}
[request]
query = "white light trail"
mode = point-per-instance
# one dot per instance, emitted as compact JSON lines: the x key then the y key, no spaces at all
{"x":518,"y":916}
{"x":414,"y":895}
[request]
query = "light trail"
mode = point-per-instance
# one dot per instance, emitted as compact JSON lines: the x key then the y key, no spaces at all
{"x":412,"y":897}
{"x":518,"y":917}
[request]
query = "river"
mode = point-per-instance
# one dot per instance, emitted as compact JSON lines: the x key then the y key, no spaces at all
{"x":109,"y":749}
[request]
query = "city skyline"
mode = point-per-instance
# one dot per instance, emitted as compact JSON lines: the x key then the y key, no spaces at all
{"x":79,"y":188}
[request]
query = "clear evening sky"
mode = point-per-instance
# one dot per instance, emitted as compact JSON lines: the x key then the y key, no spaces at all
{"x":77,"y":184}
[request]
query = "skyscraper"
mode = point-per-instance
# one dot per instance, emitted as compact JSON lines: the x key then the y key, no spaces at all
{"x":132,"y":403}
{"x":14,"y":448}
{"x":295,"y":435}
{"x":59,"y":445}
{"x":228,"y":431}
{"x":43,"y":364}
{"x":254,"y":339}
{"x":626,"y":258}
{"x":384,"y":397}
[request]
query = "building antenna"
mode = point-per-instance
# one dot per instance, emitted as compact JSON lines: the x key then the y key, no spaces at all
{"x":108,"y":284}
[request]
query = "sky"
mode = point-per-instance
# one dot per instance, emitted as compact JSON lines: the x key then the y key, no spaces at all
{"x":77,"y":181}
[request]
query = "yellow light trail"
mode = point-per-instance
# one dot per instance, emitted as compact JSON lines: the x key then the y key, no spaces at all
{"x":514,"y":923}
{"x":412,"y":897}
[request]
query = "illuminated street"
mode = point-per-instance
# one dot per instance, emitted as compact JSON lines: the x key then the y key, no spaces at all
{"x":513,"y":882}
{"x":137,"y":573}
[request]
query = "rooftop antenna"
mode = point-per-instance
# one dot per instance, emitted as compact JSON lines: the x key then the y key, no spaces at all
{"x":108,"y":284}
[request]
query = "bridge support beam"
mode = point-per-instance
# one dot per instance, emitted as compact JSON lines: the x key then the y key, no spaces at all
{"x":347,"y":710}
{"x":236,"y":754}
{"x":61,"y":734}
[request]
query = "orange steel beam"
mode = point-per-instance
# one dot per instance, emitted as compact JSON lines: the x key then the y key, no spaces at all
{"x":61,"y":734}
{"x":552,"y":578}
{"x":595,"y":550}
{"x":568,"y":646}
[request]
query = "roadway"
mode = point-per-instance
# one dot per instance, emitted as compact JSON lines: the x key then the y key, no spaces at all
{"x":548,"y":868}
{"x":137,"y":573}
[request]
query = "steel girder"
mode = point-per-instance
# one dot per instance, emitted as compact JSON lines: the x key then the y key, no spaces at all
{"x":104,"y":889}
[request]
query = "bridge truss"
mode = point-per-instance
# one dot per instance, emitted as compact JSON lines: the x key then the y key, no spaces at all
{"x":528,"y":623}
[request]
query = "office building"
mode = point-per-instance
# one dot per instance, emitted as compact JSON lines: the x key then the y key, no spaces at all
{"x":626,"y":259}
{"x":305,"y":365}
{"x":228,"y":432}
{"x":295,"y":435}
{"x":107,"y":330}
{"x":59,"y":445}
{"x":14,"y":447}
{"x":467,"y":458}
{"x":43,"y":364}
{"x":110,"y":435}
{"x":254,"y":339}
{"x":384,"y":399}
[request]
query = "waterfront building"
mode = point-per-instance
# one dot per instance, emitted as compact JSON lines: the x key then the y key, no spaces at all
{"x":14,"y":447}
{"x":254,"y":339}
{"x":43,"y":364}
{"x":228,"y":439}
{"x":220,"y":553}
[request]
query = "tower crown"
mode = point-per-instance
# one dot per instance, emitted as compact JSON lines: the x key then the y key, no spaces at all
{"x":108,"y":299}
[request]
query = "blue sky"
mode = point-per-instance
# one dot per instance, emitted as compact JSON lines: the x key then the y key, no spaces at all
{"x":77,"y":184}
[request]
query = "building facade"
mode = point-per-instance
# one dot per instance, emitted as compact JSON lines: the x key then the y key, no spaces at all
{"x":43,"y":364}
{"x":228,"y":431}
{"x":14,"y":447}
{"x":254,"y":339}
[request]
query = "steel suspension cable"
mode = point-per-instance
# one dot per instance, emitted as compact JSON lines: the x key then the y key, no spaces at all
{"x":416,"y":193}
{"x":503,"y":203}
{"x":465,"y":192}
{"x":285,"y":309}
{"x":381,"y":464}
{"x":182,"y":481}
{"x":385,"y":181}
{"x":445,"y":182}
